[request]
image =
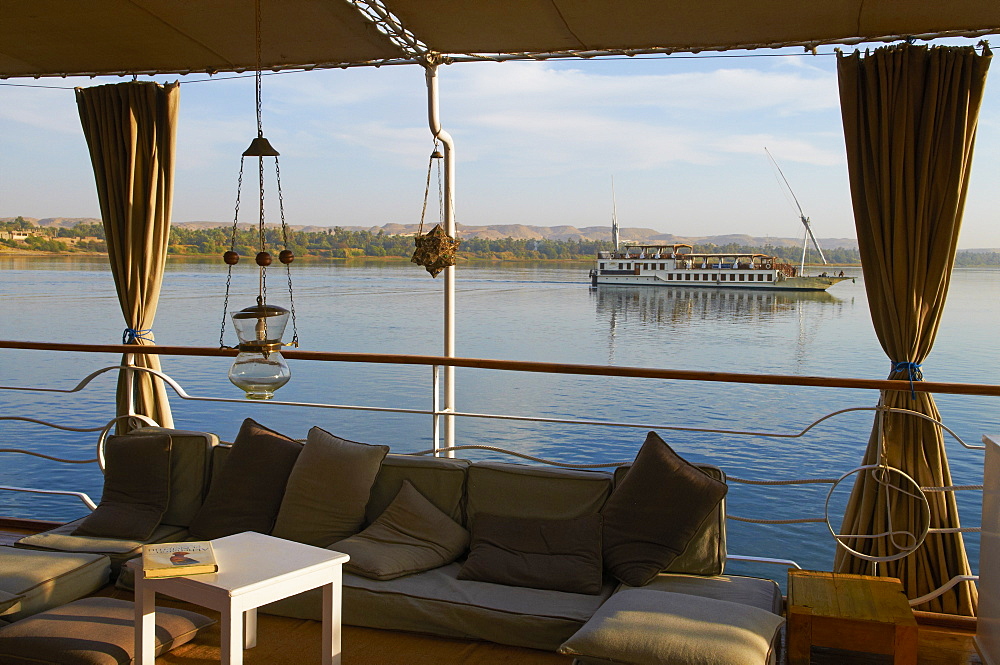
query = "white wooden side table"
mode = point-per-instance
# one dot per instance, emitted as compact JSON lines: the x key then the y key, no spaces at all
{"x":254,"y":570}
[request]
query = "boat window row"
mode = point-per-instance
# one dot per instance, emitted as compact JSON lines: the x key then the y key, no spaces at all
{"x":714,"y":277}
{"x":696,"y":277}
{"x":683,"y":265}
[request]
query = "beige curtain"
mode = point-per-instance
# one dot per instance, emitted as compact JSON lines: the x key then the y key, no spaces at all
{"x":910,"y":115}
{"x":130,"y":130}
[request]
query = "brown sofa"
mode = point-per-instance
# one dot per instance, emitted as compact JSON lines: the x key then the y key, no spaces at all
{"x":690,"y":604}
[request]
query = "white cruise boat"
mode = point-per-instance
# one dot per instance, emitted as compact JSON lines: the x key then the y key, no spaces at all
{"x":678,"y":265}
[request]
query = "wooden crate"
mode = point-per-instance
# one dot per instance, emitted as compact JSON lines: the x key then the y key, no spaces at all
{"x":855,"y":613}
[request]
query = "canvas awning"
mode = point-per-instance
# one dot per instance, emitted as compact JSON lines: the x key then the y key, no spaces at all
{"x":101,"y":37}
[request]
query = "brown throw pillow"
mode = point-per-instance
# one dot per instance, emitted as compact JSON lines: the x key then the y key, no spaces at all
{"x":412,"y":535}
{"x":328,"y":489}
{"x":247,"y":493}
{"x":136,"y":488}
{"x":562,"y":555}
{"x":655,"y":511}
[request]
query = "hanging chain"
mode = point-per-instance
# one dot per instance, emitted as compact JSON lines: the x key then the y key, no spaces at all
{"x":262,"y":298}
{"x":427,"y":187}
{"x":284,"y":240}
{"x":232,"y":248}
{"x":440,"y":190}
{"x":257,"y":17}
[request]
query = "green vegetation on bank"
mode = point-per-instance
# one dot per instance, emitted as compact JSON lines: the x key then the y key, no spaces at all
{"x":340,"y":243}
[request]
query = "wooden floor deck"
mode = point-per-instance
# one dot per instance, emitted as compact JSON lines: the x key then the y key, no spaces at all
{"x":284,"y":641}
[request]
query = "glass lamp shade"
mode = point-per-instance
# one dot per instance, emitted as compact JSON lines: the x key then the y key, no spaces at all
{"x":259,"y":368}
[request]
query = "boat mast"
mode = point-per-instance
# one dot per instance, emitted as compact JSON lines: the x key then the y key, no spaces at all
{"x":614,"y":216}
{"x":802,"y":217}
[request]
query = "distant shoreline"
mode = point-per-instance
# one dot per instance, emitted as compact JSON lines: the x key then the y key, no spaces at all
{"x":7,"y":251}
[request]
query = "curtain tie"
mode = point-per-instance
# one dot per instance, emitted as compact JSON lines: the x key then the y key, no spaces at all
{"x":132,"y":336}
{"x":913,"y":373}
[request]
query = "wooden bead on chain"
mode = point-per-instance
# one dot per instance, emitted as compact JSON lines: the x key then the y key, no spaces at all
{"x":264,"y":259}
{"x":231,"y":258}
{"x":286,"y":256}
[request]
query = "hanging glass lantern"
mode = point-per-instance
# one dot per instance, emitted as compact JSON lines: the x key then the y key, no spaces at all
{"x":260,"y":369}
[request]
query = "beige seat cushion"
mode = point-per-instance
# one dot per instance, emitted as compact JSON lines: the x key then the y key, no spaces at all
{"x":437,"y":603}
{"x":754,"y":591}
{"x":118,"y":551}
{"x":645,"y":627}
{"x":36,"y":581}
{"x":9,"y":602}
{"x":92,"y":631}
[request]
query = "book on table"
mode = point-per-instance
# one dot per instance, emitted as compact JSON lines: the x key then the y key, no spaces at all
{"x":176,"y":559}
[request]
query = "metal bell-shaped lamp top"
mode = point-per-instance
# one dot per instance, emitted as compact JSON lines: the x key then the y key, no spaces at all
{"x":260,"y":147}
{"x":260,"y":324}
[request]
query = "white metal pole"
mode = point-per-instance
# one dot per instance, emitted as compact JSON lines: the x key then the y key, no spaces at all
{"x":434,"y":120}
{"x":436,"y":407}
{"x":805,"y":243}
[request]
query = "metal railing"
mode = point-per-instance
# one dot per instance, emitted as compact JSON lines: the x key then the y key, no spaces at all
{"x":439,"y":414}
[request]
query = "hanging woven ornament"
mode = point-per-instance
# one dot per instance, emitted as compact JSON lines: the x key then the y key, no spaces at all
{"x":435,"y":250}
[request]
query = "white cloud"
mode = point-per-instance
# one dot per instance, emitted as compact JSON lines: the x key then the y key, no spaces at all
{"x":783,"y":148}
{"x":41,"y":107}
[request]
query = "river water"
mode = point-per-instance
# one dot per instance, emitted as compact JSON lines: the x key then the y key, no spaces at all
{"x":522,"y":311}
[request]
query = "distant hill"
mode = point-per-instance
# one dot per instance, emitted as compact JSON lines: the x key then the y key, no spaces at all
{"x":57,"y":222}
{"x":525,"y":232}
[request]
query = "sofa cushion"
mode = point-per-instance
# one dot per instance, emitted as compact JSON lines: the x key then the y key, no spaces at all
{"x":61,"y":539}
{"x":411,"y":536}
{"x":190,"y":465}
{"x":9,"y":602}
{"x":136,"y":488}
{"x":519,"y":490}
{"x":92,"y":631}
{"x":441,"y":480}
{"x":753,"y":591}
{"x":438,"y":603}
{"x":37,"y":581}
{"x":706,"y":553}
{"x":328,"y":489}
{"x":247,"y":493}
{"x":655,"y":512}
{"x":563,"y":555}
{"x":640,"y":626}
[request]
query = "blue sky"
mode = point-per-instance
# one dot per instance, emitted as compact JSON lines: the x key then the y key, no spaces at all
{"x":537,"y":144}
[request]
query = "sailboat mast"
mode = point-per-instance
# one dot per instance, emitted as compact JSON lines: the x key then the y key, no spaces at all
{"x":614,"y":216}
{"x":802,"y":217}
{"x":805,"y":244}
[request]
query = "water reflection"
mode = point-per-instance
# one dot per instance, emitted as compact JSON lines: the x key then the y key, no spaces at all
{"x":665,"y":305}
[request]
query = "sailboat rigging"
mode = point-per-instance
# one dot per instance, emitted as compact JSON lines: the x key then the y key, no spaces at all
{"x":615,"y":232}
{"x":802,"y":216}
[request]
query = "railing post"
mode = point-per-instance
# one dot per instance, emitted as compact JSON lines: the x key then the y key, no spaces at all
{"x":434,"y":120}
{"x":435,"y":407}
{"x":129,"y":385}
